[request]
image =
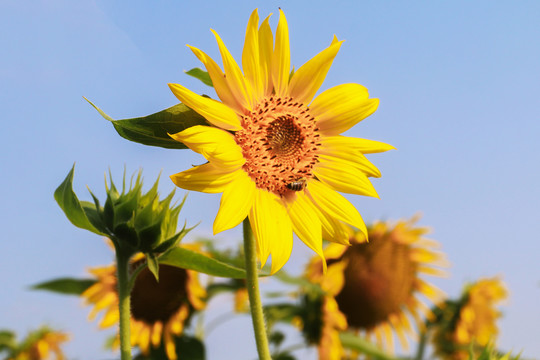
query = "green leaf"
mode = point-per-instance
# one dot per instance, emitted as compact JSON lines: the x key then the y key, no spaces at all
{"x":190,"y":348}
{"x":188,"y":259}
{"x":7,"y":340}
{"x":280,"y":313}
{"x":69,"y":203}
{"x":356,"y":343}
{"x":94,"y":216}
{"x":153,"y":129}
{"x":149,"y":237}
{"x":201,"y":75}
{"x":127,"y":234}
{"x":68,"y":286}
{"x":170,"y":242}
{"x":153,"y":265}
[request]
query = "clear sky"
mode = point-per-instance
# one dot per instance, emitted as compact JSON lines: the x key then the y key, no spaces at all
{"x":458,"y":83}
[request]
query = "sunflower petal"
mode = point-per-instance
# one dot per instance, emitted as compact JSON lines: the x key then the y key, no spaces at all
{"x":281,"y":60}
{"x":333,"y":230}
{"x":237,"y":83}
{"x":216,"y":145}
{"x":144,"y":339}
{"x":352,"y":159}
{"x":310,"y":76}
{"x":170,"y":347}
{"x":335,"y":205}
{"x":206,"y":178}
{"x":250,"y":56}
{"x":342,"y":143}
{"x":266,"y":49}
{"x":155,"y":337}
{"x":236,"y":202}
{"x":218,"y":80}
{"x":344,"y":178}
{"x":215,"y":112}
{"x":109,"y":319}
{"x":306,"y":224}
{"x":272,"y":229}
{"x":341,"y":107}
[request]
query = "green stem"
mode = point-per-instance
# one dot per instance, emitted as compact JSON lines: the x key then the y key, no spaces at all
{"x":255,"y":304}
{"x":421,"y":346}
{"x":122,"y":267}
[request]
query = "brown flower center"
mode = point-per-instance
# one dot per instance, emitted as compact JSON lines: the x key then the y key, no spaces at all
{"x":279,"y":141}
{"x":379,"y":280}
{"x":153,"y":301}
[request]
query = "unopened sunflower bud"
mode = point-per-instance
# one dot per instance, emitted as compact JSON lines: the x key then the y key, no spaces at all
{"x":140,"y":221}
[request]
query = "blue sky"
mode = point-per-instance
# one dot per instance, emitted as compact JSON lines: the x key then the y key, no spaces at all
{"x":458,"y":84}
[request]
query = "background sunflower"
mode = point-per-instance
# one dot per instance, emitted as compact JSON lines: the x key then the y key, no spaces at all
{"x":160,"y":310}
{"x":378,"y":285}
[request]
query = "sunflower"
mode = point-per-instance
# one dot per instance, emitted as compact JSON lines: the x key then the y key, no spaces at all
{"x":159,"y":310}
{"x":471,"y":320}
{"x":43,"y":344}
{"x":376,"y":285}
{"x":275,"y":151}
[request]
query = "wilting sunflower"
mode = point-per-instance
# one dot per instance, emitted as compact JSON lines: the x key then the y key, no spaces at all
{"x":274,"y":151}
{"x":469,"y":321}
{"x":376,"y":285}
{"x":43,"y":344}
{"x":159,"y":310}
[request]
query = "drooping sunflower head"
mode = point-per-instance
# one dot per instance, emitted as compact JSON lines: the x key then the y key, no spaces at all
{"x":319,"y":318}
{"x":274,"y":150}
{"x":471,"y":320}
{"x":42,"y":344}
{"x":159,"y":310}
{"x":377,"y":284}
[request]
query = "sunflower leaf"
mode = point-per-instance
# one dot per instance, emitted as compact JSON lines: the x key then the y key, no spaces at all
{"x":70,"y":204}
{"x":68,"y":286}
{"x":189,"y":259}
{"x":153,"y":129}
{"x":153,"y":265}
{"x":201,"y":75}
{"x":352,"y":341}
{"x":7,"y":340}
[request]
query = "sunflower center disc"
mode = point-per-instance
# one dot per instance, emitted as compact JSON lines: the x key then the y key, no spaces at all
{"x":379,"y":280}
{"x":279,"y":141}
{"x":153,"y":301}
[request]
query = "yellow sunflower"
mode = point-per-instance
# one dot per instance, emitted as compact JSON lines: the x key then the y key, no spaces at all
{"x":470,"y":320}
{"x":377,"y":285}
{"x":159,"y":310}
{"x":43,"y":344}
{"x":274,"y":151}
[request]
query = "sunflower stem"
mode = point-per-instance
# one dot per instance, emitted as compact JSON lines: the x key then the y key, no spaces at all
{"x":122,"y":266}
{"x":421,"y":346}
{"x":255,"y":304}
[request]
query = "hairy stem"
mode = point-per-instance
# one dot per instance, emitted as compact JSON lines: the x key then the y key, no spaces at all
{"x":255,"y":304}
{"x":122,"y":267}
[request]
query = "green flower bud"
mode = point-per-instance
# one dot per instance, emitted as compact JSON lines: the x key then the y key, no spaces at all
{"x":141,"y":220}
{"x":133,"y":220}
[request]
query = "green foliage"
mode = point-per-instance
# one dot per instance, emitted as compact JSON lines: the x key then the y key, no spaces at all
{"x":189,"y":259}
{"x":201,"y":75}
{"x":489,"y":353}
{"x":67,"y":286}
{"x":133,"y":220}
{"x":70,"y":204}
{"x":7,"y":340}
{"x":280,"y":313}
{"x":154,"y":129}
{"x":354,"y":342}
